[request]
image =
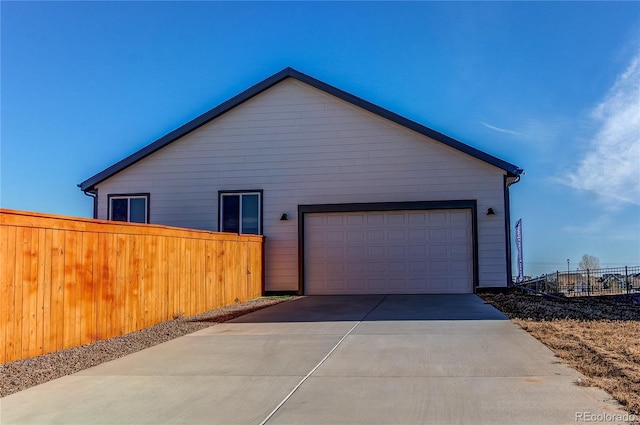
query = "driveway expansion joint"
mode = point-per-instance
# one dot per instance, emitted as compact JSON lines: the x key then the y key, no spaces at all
{"x":335,"y":347}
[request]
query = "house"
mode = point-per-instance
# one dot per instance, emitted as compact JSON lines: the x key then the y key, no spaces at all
{"x":352,"y":198}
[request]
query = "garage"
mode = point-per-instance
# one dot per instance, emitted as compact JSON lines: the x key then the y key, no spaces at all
{"x":415,"y":251}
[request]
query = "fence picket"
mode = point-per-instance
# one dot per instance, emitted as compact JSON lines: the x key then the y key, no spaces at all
{"x":7,"y":291}
{"x":69,"y":281}
{"x":18,"y":295}
{"x":43,"y":273}
{"x":56,"y":340}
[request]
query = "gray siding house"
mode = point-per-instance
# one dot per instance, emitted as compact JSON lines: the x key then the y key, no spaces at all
{"x":351,"y":198}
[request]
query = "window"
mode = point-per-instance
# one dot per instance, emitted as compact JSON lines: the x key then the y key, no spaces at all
{"x":241,"y":212}
{"x":131,"y":208}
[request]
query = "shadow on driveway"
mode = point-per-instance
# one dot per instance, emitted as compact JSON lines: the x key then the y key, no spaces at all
{"x":333,"y":308}
{"x":318,"y":360}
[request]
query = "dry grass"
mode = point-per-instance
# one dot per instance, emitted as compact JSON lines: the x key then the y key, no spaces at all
{"x":599,"y":336}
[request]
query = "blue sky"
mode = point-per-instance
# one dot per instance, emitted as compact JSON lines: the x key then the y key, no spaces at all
{"x":553,"y":87}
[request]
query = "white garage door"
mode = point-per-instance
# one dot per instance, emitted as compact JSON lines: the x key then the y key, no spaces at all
{"x":388,"y":252}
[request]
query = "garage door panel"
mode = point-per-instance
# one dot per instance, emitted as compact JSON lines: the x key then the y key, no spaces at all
{"x":315,"y":220}
{"x":336,"y":284}
{"x":399,"y":284}
{"x":375,"y":218}
{"x":356,"y":219}
{"x":459,"y":285}
{"x":438,"y":266}
{"x":417,"y":266}
{"x":396,"y":218}
{"x":376,"y":284}
{"x":355,"y":252}
{"x":440,"y":284}
{"x":336,"y":269}
{"x":355,"y":236}
{"x":335,"y":220}
{"x":355,"y":268}
{"x":396,"y":235}
{"x":375,"y":236}
{"x":438,"y":251}
{"x":458,"y":217}
{"x":458,"y":234}
{"x":376,"y":267}
{"x":317,"y":238}
{"x":397,"y":251}
{"x":417,"y":235}
{"x":438,"y":234}
{"x":417,"y":218}
{"x":426,"y":251}
{"x":337,"y":252}
{"x":333,"y":237}
{"x":437,"y":218}
{"x":460,"y":266}
{"x":417,"y":251}
{"x":460,"y":249}
{"x":397,"y":267}
{"x":376,"y":251}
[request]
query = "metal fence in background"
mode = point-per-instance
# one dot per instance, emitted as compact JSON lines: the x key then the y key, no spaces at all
{"x":582,"y":283}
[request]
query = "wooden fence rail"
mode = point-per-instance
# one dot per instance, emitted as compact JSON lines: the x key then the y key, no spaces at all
{"x":66,"y":281}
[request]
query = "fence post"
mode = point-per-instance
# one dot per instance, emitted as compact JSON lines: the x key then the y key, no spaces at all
{"x":560,"y":291}
{"x":588,"y":283}
{"x":626,"y":279}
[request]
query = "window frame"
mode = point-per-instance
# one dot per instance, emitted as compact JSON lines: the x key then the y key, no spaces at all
{"x":240,"y":193}
{"x":128,"y":197}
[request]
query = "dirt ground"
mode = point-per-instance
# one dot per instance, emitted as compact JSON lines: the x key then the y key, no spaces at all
{"x":598,"y":336}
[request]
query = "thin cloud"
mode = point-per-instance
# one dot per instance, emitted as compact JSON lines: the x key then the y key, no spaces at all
{"x":594,"y":227}
{"x":610,"y":168}
{"x":606,"y":227}
{"x":500,"y":130}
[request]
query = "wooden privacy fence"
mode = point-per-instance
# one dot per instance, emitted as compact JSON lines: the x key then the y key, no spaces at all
{"x":66,"y":282}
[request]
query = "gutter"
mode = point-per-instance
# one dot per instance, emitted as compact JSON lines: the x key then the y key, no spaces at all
{"x":94,"y":195}
{"x":507,"y":203}
{"x":517,"y":176}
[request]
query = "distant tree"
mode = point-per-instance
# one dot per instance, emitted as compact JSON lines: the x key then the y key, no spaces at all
{"x":589,"y":262}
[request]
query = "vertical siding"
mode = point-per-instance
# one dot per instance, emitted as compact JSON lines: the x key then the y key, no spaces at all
{"x":303,"y":146}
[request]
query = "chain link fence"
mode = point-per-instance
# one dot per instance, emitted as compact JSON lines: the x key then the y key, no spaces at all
{"x":584,"y":283}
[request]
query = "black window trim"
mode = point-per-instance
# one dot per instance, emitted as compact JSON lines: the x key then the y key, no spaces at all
{"x":146,"y":195}
{"x":259,"y":192}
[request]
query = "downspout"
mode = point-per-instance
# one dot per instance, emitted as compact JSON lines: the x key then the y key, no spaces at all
{"x":507,"y":204}
{"x":93,"y":195}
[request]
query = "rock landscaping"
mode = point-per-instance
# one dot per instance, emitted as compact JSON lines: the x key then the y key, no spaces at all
{"x":22,"y":374}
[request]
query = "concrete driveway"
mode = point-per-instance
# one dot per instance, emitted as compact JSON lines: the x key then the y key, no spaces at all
{"x":420,"y":359}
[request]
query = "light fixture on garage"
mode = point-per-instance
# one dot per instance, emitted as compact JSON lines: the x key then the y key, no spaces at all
{"x":284,"y":217}
{"x":490,"y":211}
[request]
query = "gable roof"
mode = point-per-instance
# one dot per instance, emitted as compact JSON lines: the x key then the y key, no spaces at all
{"x":89,"y":184}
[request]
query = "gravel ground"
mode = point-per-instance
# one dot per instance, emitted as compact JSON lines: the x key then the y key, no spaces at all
{"x":533,"y":307}
{"x":21,"y":374}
